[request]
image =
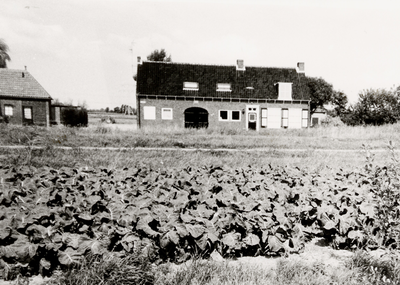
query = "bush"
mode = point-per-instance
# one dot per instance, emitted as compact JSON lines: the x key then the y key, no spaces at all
{"x":4,"y":119}
{"x":330,"y":121}
{"x":108,"y":120}
{"x":73,"y":117}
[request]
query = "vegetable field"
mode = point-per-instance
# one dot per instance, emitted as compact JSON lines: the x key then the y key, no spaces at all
{"x":51,"y":218}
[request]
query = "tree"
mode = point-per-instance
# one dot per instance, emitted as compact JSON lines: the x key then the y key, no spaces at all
{"x":159,"y":56}
{"x":321,"y":92}
{"x":4,"y":56}
{"x":339,"y":101}
{"x":376,"y":107}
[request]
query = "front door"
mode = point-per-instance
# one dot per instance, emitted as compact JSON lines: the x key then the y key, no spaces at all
{"x":252,"y":117}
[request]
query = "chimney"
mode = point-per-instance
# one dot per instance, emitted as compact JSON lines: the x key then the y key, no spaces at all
{"x":300,"y":67}
{"x":240,"y":64}
{"x":139,"y":60}
{"x":26,"y":68}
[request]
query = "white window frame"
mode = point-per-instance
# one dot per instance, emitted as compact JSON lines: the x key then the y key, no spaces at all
{"x":8,"y":110}
{"x":149,"y":113}
{"x":285,"y":91}
{"x":193,"y":86}
{"x":165,"y":115}
{"x":229,"y":114}
{"x":304,"y":118}
{"x":240,"y":115}
{"x":27,"y":115}
{"x":224,"y":87}
{"x":264,"y":117}
{"x":285,"y":118}
{"x":222,"y":119}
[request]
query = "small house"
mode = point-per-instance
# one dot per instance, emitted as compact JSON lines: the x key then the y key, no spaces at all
{"x":185,"y":95}
{"x":23,"y":100}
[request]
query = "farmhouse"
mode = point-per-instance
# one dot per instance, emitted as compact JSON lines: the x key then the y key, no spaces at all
{"x":22,"y":99}
{"x":183,"y":95}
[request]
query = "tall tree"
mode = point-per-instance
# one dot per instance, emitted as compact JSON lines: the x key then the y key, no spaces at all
{"x":4,"y":56}
{"x":339,"y":101}
{"x":321,"y":92}
{"x":376,"y":107}
{"x":159,"y":56}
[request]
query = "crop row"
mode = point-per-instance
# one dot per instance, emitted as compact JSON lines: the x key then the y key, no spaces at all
{"x":51,"y":218}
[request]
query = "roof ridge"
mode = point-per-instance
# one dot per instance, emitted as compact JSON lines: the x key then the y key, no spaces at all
{"x":209,"y":64}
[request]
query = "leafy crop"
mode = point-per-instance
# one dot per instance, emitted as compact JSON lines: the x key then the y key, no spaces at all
{"x":54,"y":218}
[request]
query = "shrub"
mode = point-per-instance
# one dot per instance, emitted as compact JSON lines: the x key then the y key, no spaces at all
{"x":4,"y":119}
{"x":73,"y":117}
{"x":108,"y":120}
{"x":330,"y":121}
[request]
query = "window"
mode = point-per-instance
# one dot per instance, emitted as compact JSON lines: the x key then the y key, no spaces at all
{"x":149,"y":113}
{"x":28,"y":113}
{"x":228,"y":115}
{"x":191,"y":86}
{"x":304,"y":122}
{"x":285,"y":118}
{"x":8,"y":110}
{"x":235,"y":116}
{"x":264,"y":117}
{"x":224,"y":87}
{"x":223,"y":115}
{"x":166,"y":114}
{"x":284,"y":91}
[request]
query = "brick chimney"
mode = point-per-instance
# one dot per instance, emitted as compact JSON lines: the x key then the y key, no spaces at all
{"x":139,"y":60}
{"x":240,"y":64}
{"x":300,"y":67}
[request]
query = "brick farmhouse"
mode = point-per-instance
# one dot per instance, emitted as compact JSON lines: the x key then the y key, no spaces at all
{"x":183,"y":95}
{"x":22,"y":99}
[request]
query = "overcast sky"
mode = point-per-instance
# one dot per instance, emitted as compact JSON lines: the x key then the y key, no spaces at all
{"x":85,"y":51}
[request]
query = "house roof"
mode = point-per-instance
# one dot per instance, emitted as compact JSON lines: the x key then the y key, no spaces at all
{"x":20,"y":84}
{"x":166,"y":78}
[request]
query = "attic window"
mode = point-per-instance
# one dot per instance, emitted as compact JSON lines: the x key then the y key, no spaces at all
{"x":284,"y":91}
{"x":224,"y":87}
{"x":191,"y":86}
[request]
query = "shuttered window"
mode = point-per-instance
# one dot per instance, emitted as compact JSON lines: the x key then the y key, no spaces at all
{"x":149,"y":113}
{"x":285,"y":118}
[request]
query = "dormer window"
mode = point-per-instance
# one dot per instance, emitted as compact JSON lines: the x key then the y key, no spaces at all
{"x":284,"y":91}
{"x":224,"y":87}
{"x":194,"y":86}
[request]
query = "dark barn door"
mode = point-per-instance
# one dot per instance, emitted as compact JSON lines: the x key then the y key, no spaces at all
{"x":196,"y":118}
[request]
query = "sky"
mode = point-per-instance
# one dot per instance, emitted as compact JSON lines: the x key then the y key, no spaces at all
{"x":85,"y":51}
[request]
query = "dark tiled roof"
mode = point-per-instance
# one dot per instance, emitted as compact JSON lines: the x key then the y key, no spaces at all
{"x":161,"y":78}
{"x":20,"y":84}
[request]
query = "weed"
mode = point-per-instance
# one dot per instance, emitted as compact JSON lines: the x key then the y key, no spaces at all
{"x":106,"y":270}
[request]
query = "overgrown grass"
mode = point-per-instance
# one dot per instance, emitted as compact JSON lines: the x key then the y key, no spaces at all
{"x":360,"y":269}
{"x":108,"y":269}
{"x":309,"y":146}
{"x":158,"y":159}
{"x":343,"y":137}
